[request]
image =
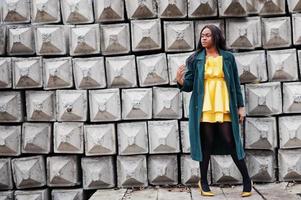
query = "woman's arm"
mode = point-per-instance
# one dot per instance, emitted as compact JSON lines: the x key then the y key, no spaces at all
{"x":240,"y":102}
{"x":188,"y":77}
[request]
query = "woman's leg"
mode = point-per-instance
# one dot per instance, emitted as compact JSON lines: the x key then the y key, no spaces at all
{"x":225,"y":130}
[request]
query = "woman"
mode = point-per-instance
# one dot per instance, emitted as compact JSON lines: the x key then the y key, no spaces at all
{"x":216,"y":105}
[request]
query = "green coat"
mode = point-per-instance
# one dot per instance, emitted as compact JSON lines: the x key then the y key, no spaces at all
{"x":193,"y":81}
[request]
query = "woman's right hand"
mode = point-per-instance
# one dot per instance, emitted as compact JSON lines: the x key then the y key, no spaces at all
{"x":180,"y":74}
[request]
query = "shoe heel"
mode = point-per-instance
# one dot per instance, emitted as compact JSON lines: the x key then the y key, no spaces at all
{"x":203,"y":193}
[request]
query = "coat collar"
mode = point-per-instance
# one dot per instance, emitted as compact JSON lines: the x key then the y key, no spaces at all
{"x":202,"y":54}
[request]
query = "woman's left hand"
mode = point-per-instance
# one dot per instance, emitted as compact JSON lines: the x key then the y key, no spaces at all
{"x":241,"y":114}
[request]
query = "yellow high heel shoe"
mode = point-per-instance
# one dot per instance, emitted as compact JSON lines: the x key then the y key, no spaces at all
{"x":246,"y":194}
{"x":203,"y":192}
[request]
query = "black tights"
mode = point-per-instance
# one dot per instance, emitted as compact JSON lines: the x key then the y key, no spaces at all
{"x":223,"y":130}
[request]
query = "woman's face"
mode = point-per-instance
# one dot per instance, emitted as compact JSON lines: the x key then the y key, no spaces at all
{"x":206,"y":38}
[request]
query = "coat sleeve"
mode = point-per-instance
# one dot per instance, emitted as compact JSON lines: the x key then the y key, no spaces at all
{"x":188,"y":77}
{"x":240,"y":102}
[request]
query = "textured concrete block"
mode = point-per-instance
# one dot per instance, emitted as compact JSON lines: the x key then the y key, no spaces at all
{"x":98,"y":172}
{"x":296,"y":22}
{"x":190,"y":171}
{"x":29,"y":172}
{"x":243,"y":33}
{"x":11,"y":107}
{"x":105,"y":105}
{"x":120,"y":71}
{"x":100,"y":139}
{"x":261,"y":165}
{"x":7,"y":195}
{"x":291,"y":97}
{"x":163,"y":136}
{"x":15,"y":11}
{"x":276,"y":32}
{"x":136,"y":9}
{"x":84,"y":40}
{"x":71,"y":105}
{"x":251,"y":66}
{"x":184,"y":133}
{"x":136,"y":103}
{"x":40,"y":105}
{"x":115,"y":38}
{"x":68,"y":137}
{"x":27,"y":72}
{"x":45,"y":11}
{"x":289,"y":165}
{"x":263,"y":99}
{"x":232,"y":8}
{"x":20,"y":40}
{"x":282,"y":65}
{"x":89,"y":73}
{"x":108,"y":10}
{"x":178,"y":36}
{"x":3,"y":40}
{"x":31,"y":194}
{"x":67,"y":194}
{"x":167,"y":103}
{"x":202,"y":8}
{"x":163,"y":169}
{"x":273,"y":7}
{"x":36,"y":138}
{"x":6,"y":182}
{"x":294,"y":6}
{"x":6,"y":73}
{"x":261,"y":133}
{"x":146,"y":34}
{"x":62,"y":171}
{"x":77,"y":12}
{"x":132,"y":138}
{"x":172,"y":8}
{"x":132,"y":171}
{"x":289,"y":132}
{"x":10,"y":140}
{"x":57,"y":73}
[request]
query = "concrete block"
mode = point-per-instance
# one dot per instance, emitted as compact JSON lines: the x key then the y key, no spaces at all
{"x":163,"y":169}
{"x":294,"y":6}
{"x":57,"y":73}
{"x":167,"y":103}
{"x":289,"y":162}
{"x":71,"y":105}
{"x":136,"y":103}
{"x":132,"y":171}
{"x":276,"y":32}
{"x":6,"y":73}
{"x":20,"y":39}
{"x":40,"y":105}
{"x":7,"y":195}
{"x":282,"y":65}
{"x":108,"y":10}
{"x":77,"y":12}
{"x":105,"y":105}
{"x":29,"y":172}
{"x":51,"y":39}
{"x":3,"y":40}
{"x":174,"y":61}
{"x":146,"y":34}
{"x":178,"y":36}
{"x":31,"y":194}
{"x":260,"y":133}
{"x":98,"y":172}
{"x":27,"y":72}
{"x":186,"y":102}
{"x":251,"y":66}
{"x":100,"y":139}
{"x":45,"y":11}
{"x":184,"y":133}
{"x":115,"y":38}
{"x":67,"y":194}
{"x":190,"y":171}
{"x":89,"y":73}
{"x":273,"y":7}
{"x":10,"y":140}
{"x":232,"y":8}
{"x":132,"y":138}
{"x":289,"y":132}
{"x":11,"y":107}
{"x":172,"y":9}
{"x":296,"y":22}
{"x":36,"y":138}
{"x":121,"y":71}
{"x":84,"y":40}
{"x":243,"y":33}
{"x":109,"y":194}
{"x":68,"y":137}
{"x":224,"y":170}
{"x":6,"y":182}
{"x":263,"y":99}
{"x":202,"y":8}
{"x":62,"y":171}
{"x":291,"y":96}
{"x":15,"y":11}
{"x":163,"y":137}
{"x":136,"y":9}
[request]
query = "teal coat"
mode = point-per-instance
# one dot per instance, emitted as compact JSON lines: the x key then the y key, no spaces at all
{"x":193,"y":81}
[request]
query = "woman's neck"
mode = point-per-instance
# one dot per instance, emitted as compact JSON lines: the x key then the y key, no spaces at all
{"x":212,"y":51}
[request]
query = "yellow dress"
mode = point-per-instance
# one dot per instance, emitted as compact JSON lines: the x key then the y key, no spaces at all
{"x":216,"y":97}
